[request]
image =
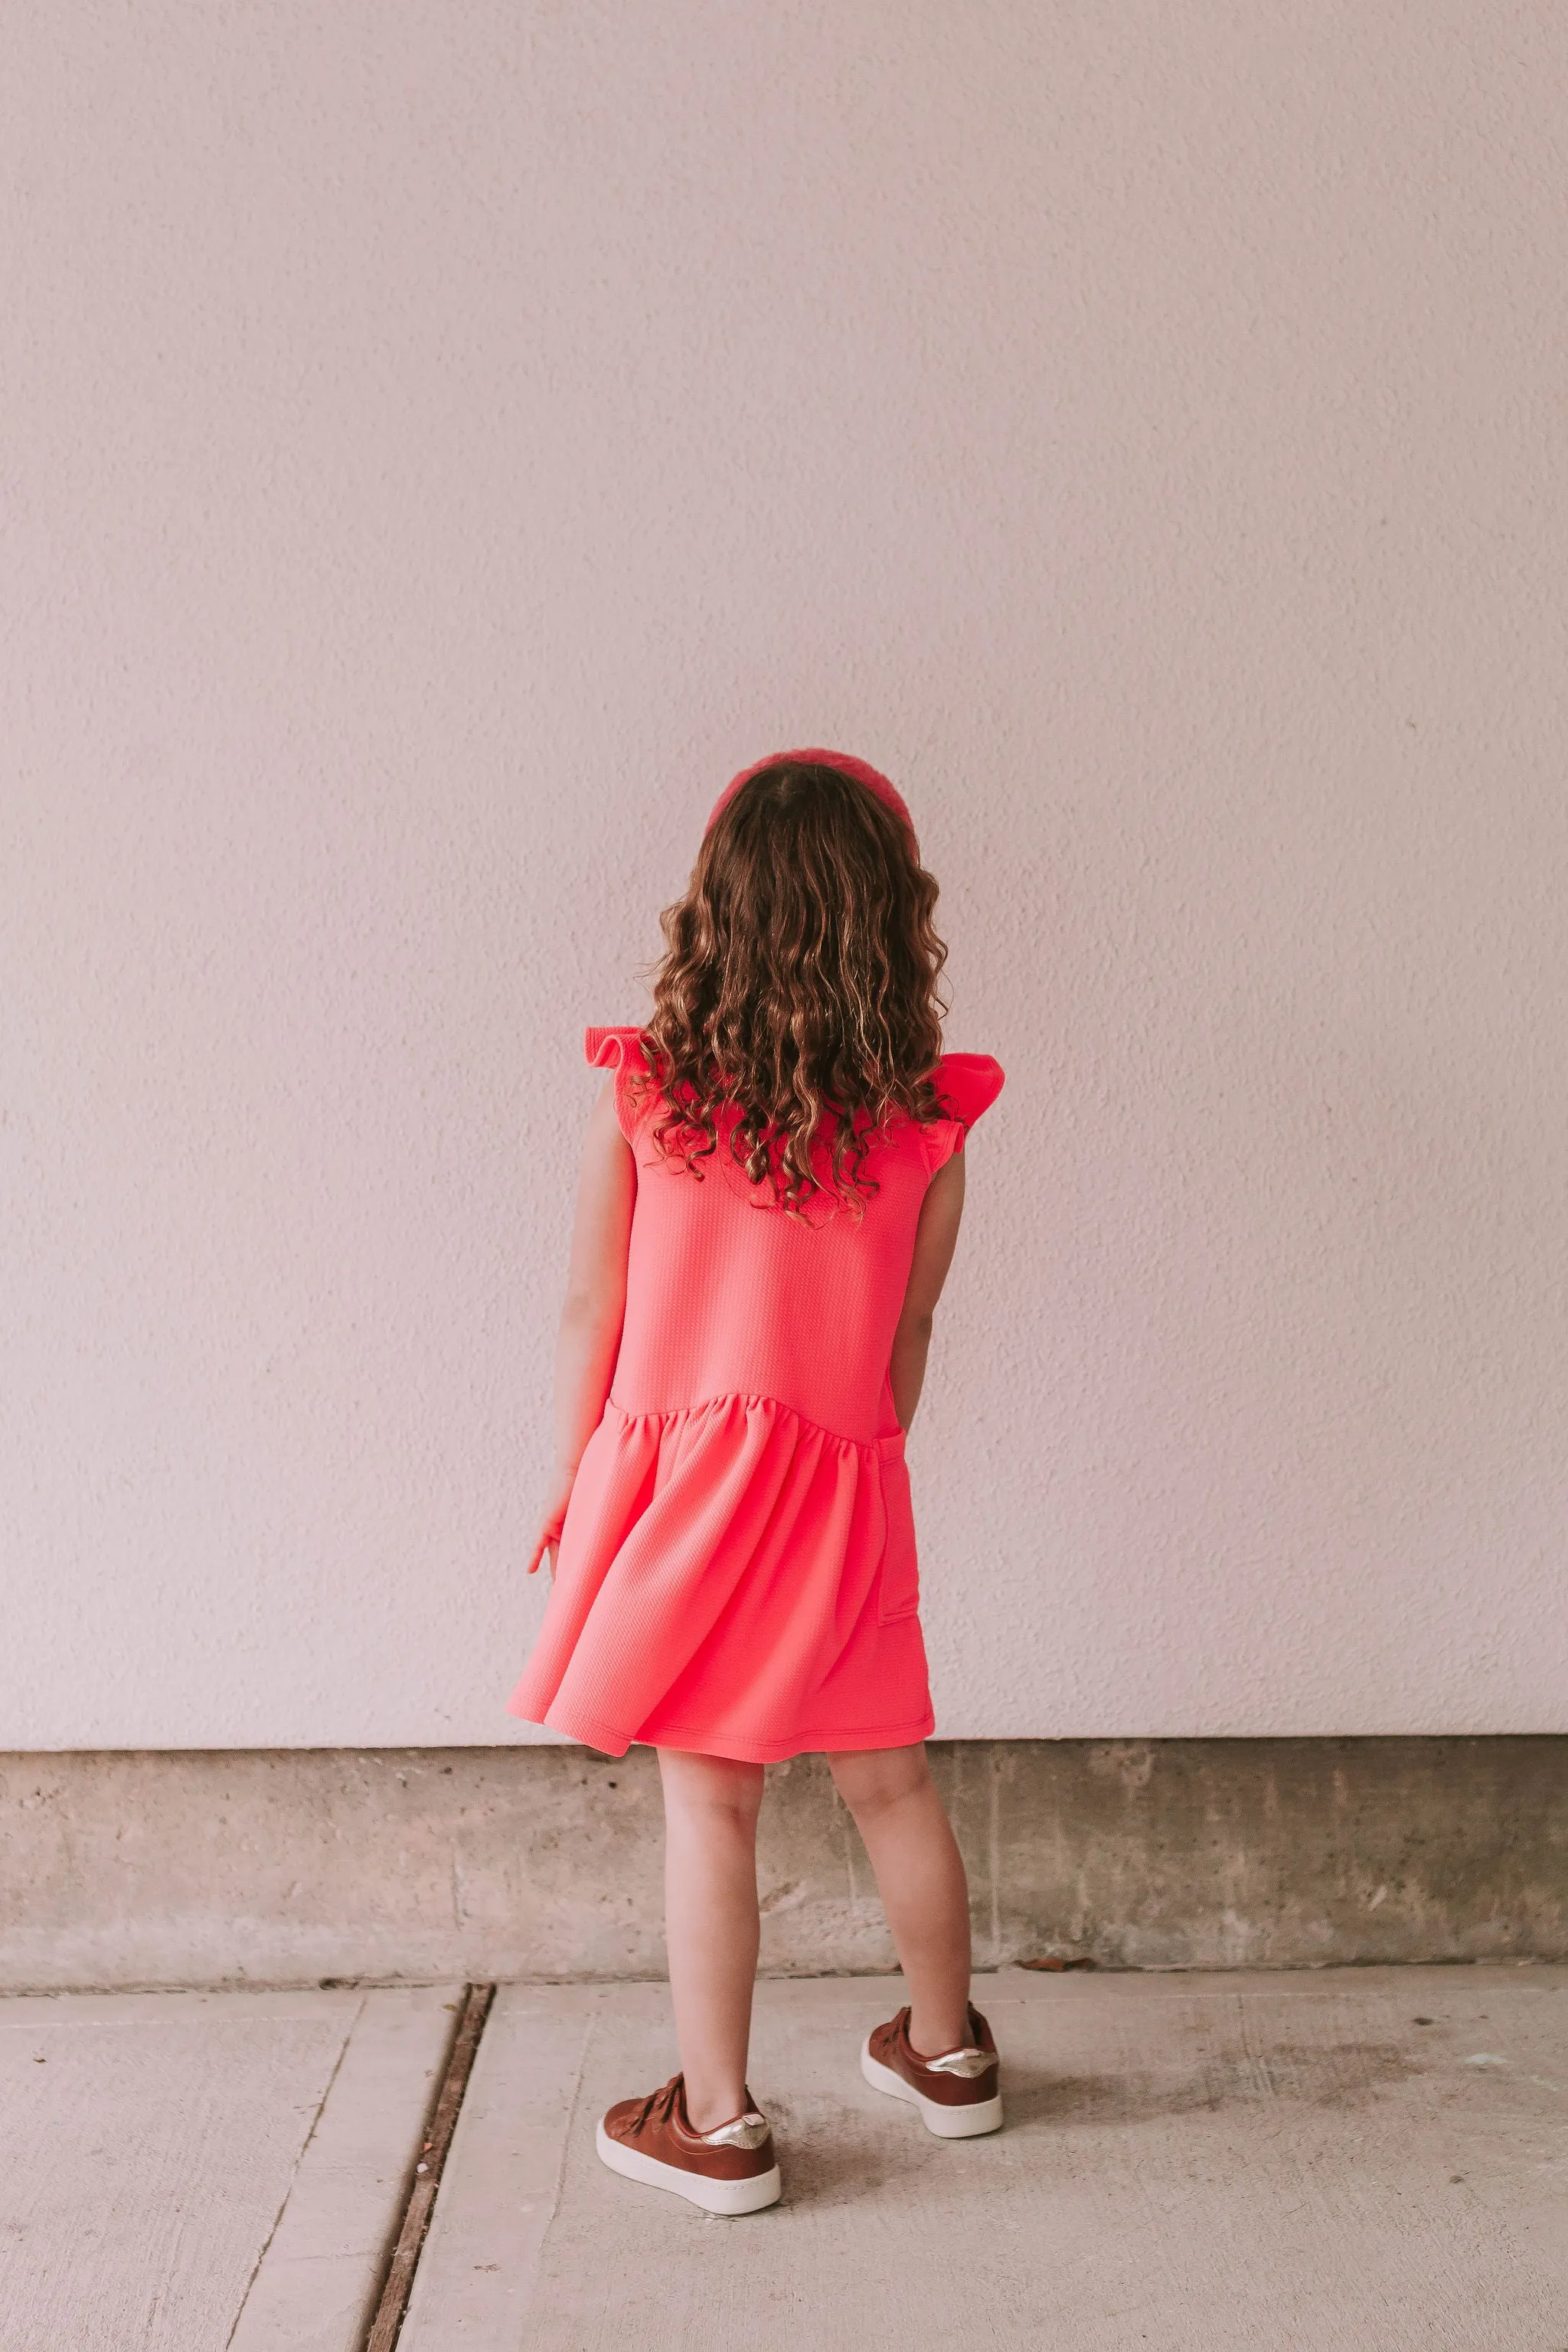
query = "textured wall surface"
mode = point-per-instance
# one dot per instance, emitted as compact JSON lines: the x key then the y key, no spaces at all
{"x":441,"y":447}
{"x":303,"y":1865}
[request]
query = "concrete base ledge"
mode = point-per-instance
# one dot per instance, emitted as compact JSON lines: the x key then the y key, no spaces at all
{"x":292,"y":1866}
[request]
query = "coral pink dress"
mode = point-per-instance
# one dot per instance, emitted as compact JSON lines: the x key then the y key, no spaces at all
{"x":737,"y":1572}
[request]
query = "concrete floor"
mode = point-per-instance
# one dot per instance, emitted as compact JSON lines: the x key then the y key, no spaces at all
{"x":189,"y":2171}
{"x":1370,"y":2158}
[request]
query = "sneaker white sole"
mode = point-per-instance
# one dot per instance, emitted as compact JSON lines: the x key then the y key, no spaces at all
{"x":713,"y":2196}
{"x":948,"y":2123}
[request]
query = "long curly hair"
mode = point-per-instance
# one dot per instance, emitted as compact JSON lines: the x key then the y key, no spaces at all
{"x":799,"y":986}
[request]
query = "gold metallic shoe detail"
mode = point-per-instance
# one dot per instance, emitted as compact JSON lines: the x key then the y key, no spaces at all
{"x":968,"y":2063}
{"x":746,"y":2131}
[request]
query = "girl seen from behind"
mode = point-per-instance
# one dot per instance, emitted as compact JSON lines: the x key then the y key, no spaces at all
{"x":770,"y":1197}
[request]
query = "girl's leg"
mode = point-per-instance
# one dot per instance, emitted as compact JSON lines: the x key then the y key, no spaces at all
{"x":920,"y":1876}
{"x":711,"y":1806}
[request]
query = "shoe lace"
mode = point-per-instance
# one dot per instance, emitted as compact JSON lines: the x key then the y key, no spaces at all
{"x":658,"y":2106}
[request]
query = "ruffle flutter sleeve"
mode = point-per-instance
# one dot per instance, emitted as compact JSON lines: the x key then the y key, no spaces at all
{"x":622,"y":1051}
{"x":969,"y":1084}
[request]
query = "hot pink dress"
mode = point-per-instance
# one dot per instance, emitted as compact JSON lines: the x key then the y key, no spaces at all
{"x":737,"y":1573}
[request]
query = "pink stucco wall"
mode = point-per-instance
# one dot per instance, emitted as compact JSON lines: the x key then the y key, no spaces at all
{"x":441,"y":443}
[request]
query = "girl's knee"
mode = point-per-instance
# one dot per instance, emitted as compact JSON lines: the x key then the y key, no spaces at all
{"x":870,"y":1779}
{"x":711,"y":1784}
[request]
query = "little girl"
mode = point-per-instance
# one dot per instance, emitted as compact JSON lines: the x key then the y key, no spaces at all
{"x":769,"y":1201}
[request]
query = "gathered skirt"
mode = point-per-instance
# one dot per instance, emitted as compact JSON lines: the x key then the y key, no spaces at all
{"x":733,"y":1579}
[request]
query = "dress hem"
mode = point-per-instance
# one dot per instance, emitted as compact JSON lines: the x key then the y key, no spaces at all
{"x":691,"y":1739}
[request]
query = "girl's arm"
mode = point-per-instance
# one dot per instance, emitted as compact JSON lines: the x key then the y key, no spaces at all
{"x":595,"y":1309}
{"x":935,"y":1238}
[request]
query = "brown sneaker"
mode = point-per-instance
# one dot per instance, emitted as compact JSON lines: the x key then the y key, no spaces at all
{"x":956,"y":2090}
{"x":730,"y":2169}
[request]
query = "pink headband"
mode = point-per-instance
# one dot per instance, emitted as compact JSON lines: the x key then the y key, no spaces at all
{"x":842,"y":760}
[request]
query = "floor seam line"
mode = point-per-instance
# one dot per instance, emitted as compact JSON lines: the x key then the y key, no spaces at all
{"x":412,"y":2231}
{"x":299,"y":2165}
{"x":572,"y":2106}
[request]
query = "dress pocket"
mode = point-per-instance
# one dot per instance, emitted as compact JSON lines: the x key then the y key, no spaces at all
{"x":897,"y":1580}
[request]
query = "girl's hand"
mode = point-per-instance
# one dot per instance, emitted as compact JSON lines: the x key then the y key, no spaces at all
{"x":554,"y":1520}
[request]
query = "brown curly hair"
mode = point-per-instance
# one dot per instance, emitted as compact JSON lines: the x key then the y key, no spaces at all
{"x":799,"y":984}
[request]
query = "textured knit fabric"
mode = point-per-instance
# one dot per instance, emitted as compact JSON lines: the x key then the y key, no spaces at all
{"x":737,"y":1570}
